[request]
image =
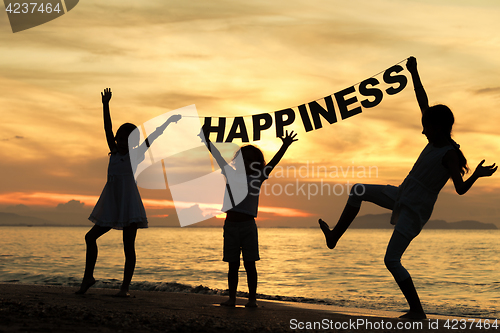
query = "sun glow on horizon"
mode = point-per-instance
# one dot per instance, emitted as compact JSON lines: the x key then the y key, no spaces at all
{"x":242,"y":59}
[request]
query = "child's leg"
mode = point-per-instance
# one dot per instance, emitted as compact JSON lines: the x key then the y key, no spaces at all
{"x":231,"y":253}
{"x":378,"y":194}
{"x":332,"y":237}
{"x":129,"y":235}
{"x":397,"y":246}
{"x":252,"y":283}
{"x":232,"y":281}
{"x":411,"y":295}
{"x":91,"y":256}
{"x":250,"y":251}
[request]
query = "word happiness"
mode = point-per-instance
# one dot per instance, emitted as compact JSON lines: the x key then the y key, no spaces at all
{"x":349,"y":103}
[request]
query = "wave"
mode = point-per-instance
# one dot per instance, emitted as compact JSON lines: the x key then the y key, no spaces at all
{"x":461,"y":310}
{"x":160,"y":287}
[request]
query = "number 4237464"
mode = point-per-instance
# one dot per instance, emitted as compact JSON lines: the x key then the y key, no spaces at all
{"x":32,"y":8}
{"x":462,"y":324}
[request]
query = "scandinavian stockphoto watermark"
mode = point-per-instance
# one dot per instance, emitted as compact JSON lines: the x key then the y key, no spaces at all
{"x":179,"y":160}
{"x":312,"y":179}
{"x":26,"y":14}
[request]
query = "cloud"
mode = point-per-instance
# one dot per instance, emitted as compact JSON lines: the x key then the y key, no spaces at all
{"x":16,"y":137}
{"x":71,"y":206}
{"x":175,"y":100}
{"x":285,"y":212}
{"x":495,"y":91}
{"x":25,"y":170}
{"x":47,"y":199}
{"x":17,"y":208}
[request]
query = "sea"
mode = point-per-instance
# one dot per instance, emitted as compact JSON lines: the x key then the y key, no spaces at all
{"x":456,"y":272}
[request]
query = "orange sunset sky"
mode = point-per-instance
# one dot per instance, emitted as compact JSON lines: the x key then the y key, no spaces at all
{"x":233,"y":58}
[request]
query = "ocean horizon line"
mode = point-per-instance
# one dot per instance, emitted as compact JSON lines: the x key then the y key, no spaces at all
{"x":220,"y":226}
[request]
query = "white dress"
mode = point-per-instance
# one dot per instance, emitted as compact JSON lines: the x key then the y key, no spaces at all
{"x":120,"y":203}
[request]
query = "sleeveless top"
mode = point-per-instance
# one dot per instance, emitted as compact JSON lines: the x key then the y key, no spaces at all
{"x":245,"y":192}
{"x":419,"y":191}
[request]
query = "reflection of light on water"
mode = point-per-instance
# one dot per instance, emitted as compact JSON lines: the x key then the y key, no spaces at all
{"x":456,"y":272}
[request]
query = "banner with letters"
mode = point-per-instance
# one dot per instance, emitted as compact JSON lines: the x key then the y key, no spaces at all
{"x":196,"y":185}
{"x":314,"y":115}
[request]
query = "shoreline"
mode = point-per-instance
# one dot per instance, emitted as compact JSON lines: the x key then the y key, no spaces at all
{"x":340,"y":306}
{"x":390,"y":227}
{"x":29,"y":308}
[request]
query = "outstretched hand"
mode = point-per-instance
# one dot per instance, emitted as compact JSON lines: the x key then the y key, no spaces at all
{"x":204,"y":134}
{"x":485,"y":171}
{"x":106,"y":95}
{"x":175,"y":118}
{"x":289,"y":138}
{"x":411,"y":64}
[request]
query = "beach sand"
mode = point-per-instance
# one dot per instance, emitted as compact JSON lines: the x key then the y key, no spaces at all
{"x":37,"y":308}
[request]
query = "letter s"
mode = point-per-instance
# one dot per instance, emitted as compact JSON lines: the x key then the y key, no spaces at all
{"x":389,"y":79}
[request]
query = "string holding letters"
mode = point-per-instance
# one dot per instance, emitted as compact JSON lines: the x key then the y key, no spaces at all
{"x":345,"y":103}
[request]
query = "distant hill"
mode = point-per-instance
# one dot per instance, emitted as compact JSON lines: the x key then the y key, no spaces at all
{"x":12,"y":219}
{"x":370,"y":221}
{"x":382,"y":221}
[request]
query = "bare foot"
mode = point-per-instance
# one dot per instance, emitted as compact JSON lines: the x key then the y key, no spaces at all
{"x":86,"y":284}
{"x":122,"y":293}
{"x":252,"y":303}
{"x":330,"y":241}
{"x":229,"y":302}
{"x":412,"y":315}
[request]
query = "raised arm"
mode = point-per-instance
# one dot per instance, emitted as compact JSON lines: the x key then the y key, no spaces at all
{"x":287,"y":141}
{"x":157,"y":132}
{"x":451,"y":160}
{"x":108,"y":127}
{"x":205,"y":138}
{"x":423,"y":101}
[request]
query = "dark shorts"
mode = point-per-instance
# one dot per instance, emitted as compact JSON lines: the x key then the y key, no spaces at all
{"x":241,"y":237}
